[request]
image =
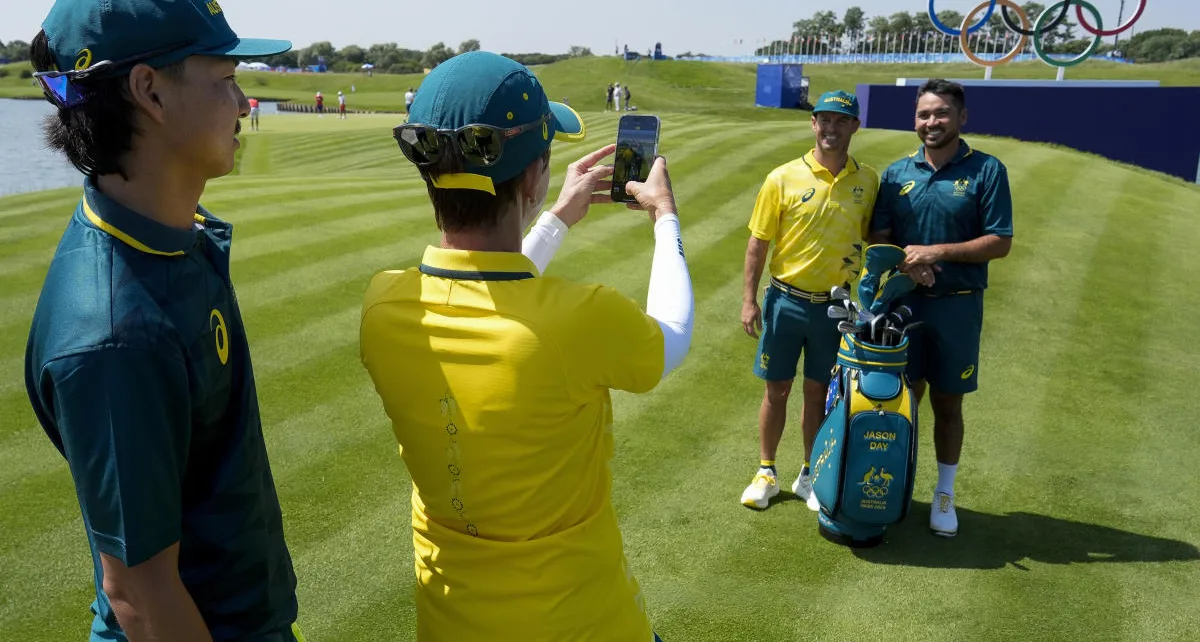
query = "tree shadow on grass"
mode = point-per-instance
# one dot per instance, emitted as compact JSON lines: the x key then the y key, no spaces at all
{"x":986,"y":541}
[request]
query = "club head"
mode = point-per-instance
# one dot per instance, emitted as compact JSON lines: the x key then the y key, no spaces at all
{"x":840,"y":293}
{"x":865,"y":315}
{"x":877,"y":325}
{"x":838,"y":312}
{"x":845,"y":327}
{"x":910,"y":327}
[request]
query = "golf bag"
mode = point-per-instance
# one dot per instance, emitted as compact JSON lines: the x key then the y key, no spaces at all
{"x":865,"y":453}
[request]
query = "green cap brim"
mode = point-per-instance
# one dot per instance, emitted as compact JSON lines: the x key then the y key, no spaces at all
{"x":248,"y":48}
{"x":835,"y":110}
{"x":568,"y":125}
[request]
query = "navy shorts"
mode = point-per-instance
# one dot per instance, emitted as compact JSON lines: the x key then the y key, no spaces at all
{"x":793,"y":326}
{"x":945,"y":350}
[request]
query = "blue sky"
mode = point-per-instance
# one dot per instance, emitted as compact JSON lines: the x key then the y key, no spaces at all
{"x":526,"y":26}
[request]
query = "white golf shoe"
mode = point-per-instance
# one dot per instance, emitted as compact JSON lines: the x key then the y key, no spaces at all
{"x":943,"y":520}
{"x":802,"y":487}
{"x":760,"y":491}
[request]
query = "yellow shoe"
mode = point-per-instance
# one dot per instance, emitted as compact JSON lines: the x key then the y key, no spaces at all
{"x":760,"y":491}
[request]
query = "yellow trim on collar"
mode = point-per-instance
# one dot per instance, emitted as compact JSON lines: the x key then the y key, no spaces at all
{"x":465,"y":181}
{"x":123,"y":237}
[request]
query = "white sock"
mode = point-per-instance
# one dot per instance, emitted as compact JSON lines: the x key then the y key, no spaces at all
{"x":945,"y":483}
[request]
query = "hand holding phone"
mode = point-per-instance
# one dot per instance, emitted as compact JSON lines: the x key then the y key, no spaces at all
{"x":637,"y":146}
{"x":655,"y":195}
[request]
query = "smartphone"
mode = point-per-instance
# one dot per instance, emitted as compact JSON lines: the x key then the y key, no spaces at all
{"x":637,"y":146}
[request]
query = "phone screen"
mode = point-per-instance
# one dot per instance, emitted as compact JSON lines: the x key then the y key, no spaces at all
{"x":637,"y":145}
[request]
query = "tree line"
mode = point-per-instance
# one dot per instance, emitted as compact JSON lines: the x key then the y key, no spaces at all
{"x":914,"y":32}
{"x":385,"y":58}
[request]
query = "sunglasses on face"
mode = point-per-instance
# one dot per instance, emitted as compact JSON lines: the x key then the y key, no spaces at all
{"x":480,"y":145}
{"x":65,"y":88}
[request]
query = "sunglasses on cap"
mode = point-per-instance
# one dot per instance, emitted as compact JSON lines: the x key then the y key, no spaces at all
{"x":480,"y":145}
{"x":63,"y":88}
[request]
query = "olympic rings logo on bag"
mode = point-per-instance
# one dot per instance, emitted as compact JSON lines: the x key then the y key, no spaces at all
{"x":874,"y":491}
{"x":1048,"y":21}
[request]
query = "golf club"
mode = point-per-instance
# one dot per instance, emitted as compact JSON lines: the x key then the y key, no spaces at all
{"x":836,"y":312}
{"x":878,"y":323}
{"x":911,"y":326}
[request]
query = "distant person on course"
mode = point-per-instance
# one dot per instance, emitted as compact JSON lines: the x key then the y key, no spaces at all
{"x":320,"y":103}
{"x":496,"y":378}
{"x":408,"y":100}
{"x":341,"y":106}
{"x":950,"y":208}
{"x":253,"y":114}
{"x":137,"y":364}
{"x":817,"y":211}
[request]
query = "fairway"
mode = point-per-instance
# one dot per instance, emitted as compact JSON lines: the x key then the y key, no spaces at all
{"x":1078,"y":486}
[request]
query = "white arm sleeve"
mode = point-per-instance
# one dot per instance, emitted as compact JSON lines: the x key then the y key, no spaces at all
{"x":543,"y":240}
{"x":669,"y":299}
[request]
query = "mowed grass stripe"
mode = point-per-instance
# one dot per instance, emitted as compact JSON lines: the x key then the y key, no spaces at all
{"x":996,"y":444}
{"x":237,"y":203}
{"x":366,"y":564}
{"x":368,"y":215}
{"x":33,"y":254}
{"x":59,"y":552}
{"x":21,"y":209}
{"x":1130,"y":391}
{"x":16,"y":310}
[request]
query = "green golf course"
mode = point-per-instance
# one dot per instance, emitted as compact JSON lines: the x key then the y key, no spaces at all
{"x":1077,"y":492}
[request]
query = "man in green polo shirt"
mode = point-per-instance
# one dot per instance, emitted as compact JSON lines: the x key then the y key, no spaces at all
{"x":950,"y":208}
{"x":137,"y":364}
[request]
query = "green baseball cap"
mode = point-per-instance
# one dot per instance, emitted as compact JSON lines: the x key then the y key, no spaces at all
{"x":484,"y":88}
{"x":838,"y":102}
{"x":82,"y":33}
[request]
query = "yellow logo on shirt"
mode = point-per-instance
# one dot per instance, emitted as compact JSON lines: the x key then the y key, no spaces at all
{"x":220,"y":335}
{"x":960,"y":186}
{"x":907,"y":187}
{"x":858,"y":194}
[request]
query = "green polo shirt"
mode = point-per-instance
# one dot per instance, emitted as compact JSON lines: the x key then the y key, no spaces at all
{"x":139,"y":372}
{"x":963,"y":200}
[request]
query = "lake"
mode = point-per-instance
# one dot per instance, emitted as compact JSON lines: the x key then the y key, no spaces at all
{"x":26,"y":164}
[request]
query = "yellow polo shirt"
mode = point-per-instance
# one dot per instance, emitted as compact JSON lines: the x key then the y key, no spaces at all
{"x":816,"y":220}
{"x":497,"y":381}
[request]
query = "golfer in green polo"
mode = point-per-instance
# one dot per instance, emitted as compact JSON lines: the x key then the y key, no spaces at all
{"x":950,"y":208}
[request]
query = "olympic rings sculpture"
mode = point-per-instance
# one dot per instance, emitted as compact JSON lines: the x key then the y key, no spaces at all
{"x":1048,"y":21}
